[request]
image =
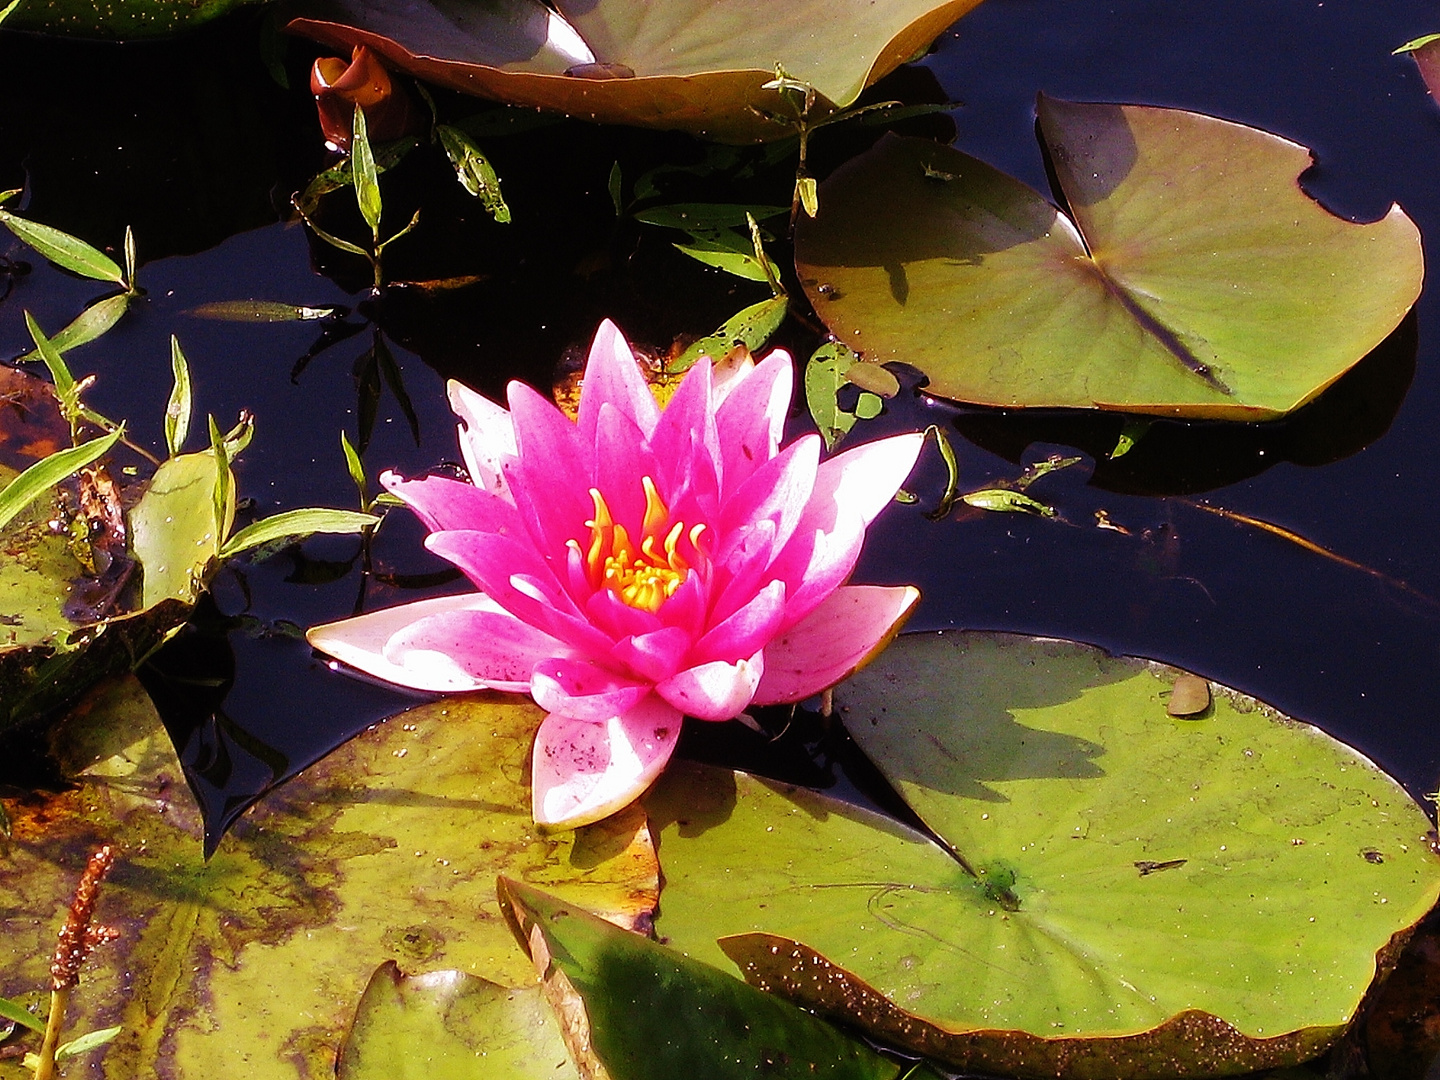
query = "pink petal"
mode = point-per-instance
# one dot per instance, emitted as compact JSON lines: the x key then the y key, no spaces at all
{"x":817,"y":561}
{"x":582,"y":772}
{"x":611,"y":375}
{"x":714,"y":691}
{"x":751,"y":421}
{"x":840,"y":636}
{"x":654,"y":656}
{"x":583,"y":691}
{"x":747,"y":631}
{"x":865,"y":479}
{"x":487,"y":437}
{"x":490,"y":646}
{"x":778,"y":491}
{"x":728,"y":374}
{"x":555,"y":468}
{"x":686,"y":446}
{"x":444,"y":504}
{"x":620,"y":461}
{"x":360,"y":642}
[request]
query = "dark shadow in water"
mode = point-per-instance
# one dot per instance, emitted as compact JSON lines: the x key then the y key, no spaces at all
{"x":1180,"y":458}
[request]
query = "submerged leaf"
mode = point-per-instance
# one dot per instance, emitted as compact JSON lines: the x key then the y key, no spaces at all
{"x":1118,"y":894}
{"x":1195,"y":279}
{"x":696,"y":65}
{"x":251,"y":963}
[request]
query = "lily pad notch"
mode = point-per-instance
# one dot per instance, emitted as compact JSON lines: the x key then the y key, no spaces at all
{"x":1192,"y":277}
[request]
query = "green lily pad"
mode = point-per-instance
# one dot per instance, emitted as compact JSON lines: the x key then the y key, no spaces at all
{"x":694,"y":65}
{"x":251,"y":963}
{"x":1194,"y":278}
{"x":448,"y":1025}
{"x":1116,"y":892}
{"x":650,"y":1013}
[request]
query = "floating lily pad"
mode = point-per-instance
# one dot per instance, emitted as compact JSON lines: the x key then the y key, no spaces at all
{"x":1119,"y":893}
{"x":646,"y":1012}
{"x":1194,"y":277}
{"x":251,"y":963}
{"x":695,"y":65}
{"x":448,"y":1025}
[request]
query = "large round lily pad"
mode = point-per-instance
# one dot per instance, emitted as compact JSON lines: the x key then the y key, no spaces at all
{"x":695,"y":65}
{"x":251,"y":964}
{"x":1193,"y":278}
{"x":1119,"y":893}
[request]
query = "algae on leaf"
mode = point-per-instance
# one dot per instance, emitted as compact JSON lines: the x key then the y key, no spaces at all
{"x":251,"y":963}
{"x":1193,"y":278}
{"x":1116,"y":892}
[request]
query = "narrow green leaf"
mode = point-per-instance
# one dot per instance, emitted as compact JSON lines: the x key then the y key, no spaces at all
{"x":59,"y":370}
{"x":6,"y":196}
{"x":1003,"y":500}
{"x":7,"y":9}
{"x":48,"y":472}
{"x":263,"y":311}
{"x":952,"y":485}
{"x":615,"y":188}
{"x":385,"y":244}
{"x":85,"y":1043}
{"x":130,"y":259}
{"x":333,"y":241}
{"x":87,"y":326}
{"x":719,"y":255}
{"x":64,"y":250}
{"x":238,"y":437}
{"x":297,"y":523}
{"x":1133,"y":431}
{"x":355,"y":466}
{"x":11,"y":1010}
{"x":220,"y":499}
{"x":772,"y":275}
{"x":1409,"y":46}
{"x":474,"y":171}
{"x":178,"y":409}
{"x":751,"y":327}
{"x":367,"y":180}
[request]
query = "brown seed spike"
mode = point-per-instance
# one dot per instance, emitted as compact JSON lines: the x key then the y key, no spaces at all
{"x":77,"y":936}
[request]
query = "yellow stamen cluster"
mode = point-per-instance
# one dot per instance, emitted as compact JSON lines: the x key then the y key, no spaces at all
{"x":642,"y":576}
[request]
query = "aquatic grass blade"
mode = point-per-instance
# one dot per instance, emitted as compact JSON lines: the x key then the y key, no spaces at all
{"x":64,"y":250}
{"x":86,"y":327}
{"x":48,"y":472}
{"x":297,"y":524}
{"x":367,"y":180}
{"x":181,"y":404}
{"x":10,"y":1010}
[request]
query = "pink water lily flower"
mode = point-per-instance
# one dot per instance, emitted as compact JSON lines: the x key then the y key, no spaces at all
{"x":638,"y":566}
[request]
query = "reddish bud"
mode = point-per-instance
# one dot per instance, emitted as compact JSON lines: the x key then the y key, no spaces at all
{"x":338,"y":87}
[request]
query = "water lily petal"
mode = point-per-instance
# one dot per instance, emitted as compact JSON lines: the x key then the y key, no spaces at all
{"x":816,"y":562}
{"x":583,"y":771}
{"x":865,"y":479}
{"x":621,"y":459}
{"x":839,"y":637}
{"x":747,"y":631}
{"x":778,"y":491}
{"x":751,"y":419}
{"x":686,"y":446}
{"x":360,"y":642}
{"x":444,"y":504}
{"x":583,"y":691}
{"x":490,"y":646}
{"x":714,"y":691}
{"x":554,"y":467}
{"x":611,"y":375}
{"x":656,"y":656}
{"x":487,"y":437}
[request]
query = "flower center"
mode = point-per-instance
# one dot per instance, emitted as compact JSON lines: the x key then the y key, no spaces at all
{"x":643,"y":576}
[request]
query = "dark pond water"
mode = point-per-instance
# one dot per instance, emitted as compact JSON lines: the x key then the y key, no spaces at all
{"x":195,"y":145}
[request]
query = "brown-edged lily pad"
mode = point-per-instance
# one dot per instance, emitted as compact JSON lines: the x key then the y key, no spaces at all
{"x":1116,"y":893}
{"x":695,"y":65}
{"x":251,"y":964}
{"x":1192,"y":277}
